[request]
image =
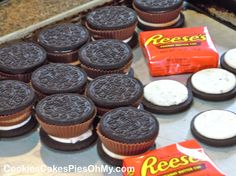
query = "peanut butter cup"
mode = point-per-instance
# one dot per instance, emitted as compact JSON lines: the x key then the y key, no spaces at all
{"x":16,"y":114}
{"x":19,"y":60}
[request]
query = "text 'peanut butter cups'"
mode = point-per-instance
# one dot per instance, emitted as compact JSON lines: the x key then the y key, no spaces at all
{"x":113,"y":22}
{"x":66,"y":121}
{"x":125,"y":132}
{"x":16,"y":102}
{"x":19,"y":60}
{"x":63,"y":41}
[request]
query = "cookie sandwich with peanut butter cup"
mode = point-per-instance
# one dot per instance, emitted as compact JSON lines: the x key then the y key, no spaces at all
{"x":228,"y":60}
{"x":58,"y":78}
{"x":113,"y":91}
{"x":113,"y":22}
{"x":159,"y":14}
{"x":16,"y":108}
{"x":105,"y":56}
{"x":63,"y":41}
{"x":213,"y":84}
{"x":125,"y":132}
{"x":19,"y":60}
{"x":66,"y":121}
{"x":166,"y":97}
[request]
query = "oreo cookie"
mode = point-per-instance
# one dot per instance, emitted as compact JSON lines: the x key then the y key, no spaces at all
{"x":215,"y":128}
{"x":16,"y":114}
{"x":114,"y":90}
{"x":66,"y":121}
{"x":159,"y":14}
{"x":227,"y":60}
{"x":213,"y":84}
{"x":19,"y":60}
{"x":166,"y":97}
{"x":58,"y":78}
{"x":63,"y":41}
{"x":108,"y":56}
{"x":113,"y":22}
{"x":125,"y":132}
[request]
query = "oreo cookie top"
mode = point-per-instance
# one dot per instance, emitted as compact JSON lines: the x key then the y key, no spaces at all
{"x":21,"y":57}
{"x":112,"y":17}
{"x":129,"y":125}
{"x":105,"y":54}
{"x":58,"y":78}
{"x":15,"y":96}
{"x":65,"y":109}
{"x":115,"y":90}
{"x":157,"y":5}
{"x":64,"y":37}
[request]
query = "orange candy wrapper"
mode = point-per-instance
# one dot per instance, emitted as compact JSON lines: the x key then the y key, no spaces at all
{"x":176,"y":51}
{"x":185,"y":158}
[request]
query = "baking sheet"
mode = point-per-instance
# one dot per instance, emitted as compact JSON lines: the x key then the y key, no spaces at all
{"x":28,"y":150}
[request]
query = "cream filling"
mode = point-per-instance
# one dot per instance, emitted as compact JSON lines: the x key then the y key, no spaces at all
{"x":165,"y":93}
{"x":214,"y":81}
{"x":216,"y":124}
{"x":114,"y":155}
{"x":159,"y":24}
{"x":230,"y":58}
{"x":125,"y":41}
{"x":73,"y":140}
{"x":7,"y":128}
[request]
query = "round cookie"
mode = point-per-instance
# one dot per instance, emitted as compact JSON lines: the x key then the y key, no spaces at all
{"x":166,"y":97}
{"x":66,"y":121}
{"x":228,"y":60}
{"x":126,"y":132}
{"x":179,"y":22}
{"x":114,"y":90}
{"x":113,"y":22}
{"x":58,"y":78}
{"x":159,"y":14}
{"x":213,"y":84}
{"x":105,"y":57}
{"x":215,"y":128}
{"x":63,"y":41}
{"x":18,"y":60}
{"x":16,"y":114}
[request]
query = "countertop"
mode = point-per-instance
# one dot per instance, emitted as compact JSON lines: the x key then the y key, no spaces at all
{"x":19,"y":14}
{"x":29,"y":151}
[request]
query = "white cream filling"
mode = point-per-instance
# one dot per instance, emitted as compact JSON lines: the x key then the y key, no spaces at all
{"x":125,"y":41}
{"x":213,"y":81}
{"x":165,"y":92}
{"x":216,"y":124}
{"x":114,"y":155}
{"x":159,"y":24}
{"x":73,"y":140}
{"x":7,"y":128}
{"x":230,"y":58}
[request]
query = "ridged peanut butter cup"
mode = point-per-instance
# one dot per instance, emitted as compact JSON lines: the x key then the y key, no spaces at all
{"x":65,"y":115}
{"x":19,"y":60}
{"x":16,"y":101}
{"x":115,"y":90}
{"x":113,"y":22}
{"x":58,"y":78}
{"x":105,"y":57}
{"x":128,"y":131}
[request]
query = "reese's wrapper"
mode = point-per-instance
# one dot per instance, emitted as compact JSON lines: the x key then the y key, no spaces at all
{"x":184,"y":158}
{"x":176,"y":51}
